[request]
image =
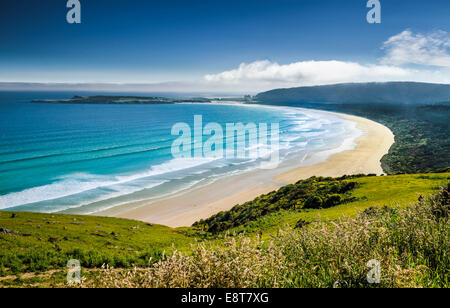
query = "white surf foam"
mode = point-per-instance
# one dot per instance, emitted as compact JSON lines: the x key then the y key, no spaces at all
{"x":82,"y":182}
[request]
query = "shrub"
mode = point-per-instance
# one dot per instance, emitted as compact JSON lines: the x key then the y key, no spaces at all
{"x":333,"y":200}
{"x":313,"y":202}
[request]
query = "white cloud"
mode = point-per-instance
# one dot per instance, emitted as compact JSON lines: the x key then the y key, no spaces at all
{"x":307,"y":72}
{"x":409,"y":48}
{"x":430,"y":51}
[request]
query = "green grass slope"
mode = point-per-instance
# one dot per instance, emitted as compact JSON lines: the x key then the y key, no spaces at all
{"x":378,"y":248}
{"x":40,"y":243}
{"x":392,"y":191}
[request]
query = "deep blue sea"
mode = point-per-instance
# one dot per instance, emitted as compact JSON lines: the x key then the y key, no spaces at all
{"x":87,"y":158}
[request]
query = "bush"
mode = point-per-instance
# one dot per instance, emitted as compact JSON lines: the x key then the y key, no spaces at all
{"x":333,"y":200}
{"x":313,"y":202}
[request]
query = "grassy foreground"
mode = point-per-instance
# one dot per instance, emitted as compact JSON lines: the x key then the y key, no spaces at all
{"x":409,"y":246}
{"x":36,"y":247}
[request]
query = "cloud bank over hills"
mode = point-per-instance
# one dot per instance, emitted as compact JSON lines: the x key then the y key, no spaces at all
{"x":407,"y":56}
{"x":309,"y":72}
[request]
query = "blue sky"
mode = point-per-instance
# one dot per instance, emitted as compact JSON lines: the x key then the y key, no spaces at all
{"x":160,"y":41}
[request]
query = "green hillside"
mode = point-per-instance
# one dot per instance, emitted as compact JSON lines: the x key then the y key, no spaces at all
{"x":378,"y":248}
{"x":391,"y":191}
{"x":417,"y":114}
{"x":36,"y":247}
{"x":34,"y":242}
{"x":352,"y":93}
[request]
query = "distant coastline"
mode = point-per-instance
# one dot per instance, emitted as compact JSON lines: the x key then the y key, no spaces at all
{"x":143,"y":100}
{"x":113,"y":100}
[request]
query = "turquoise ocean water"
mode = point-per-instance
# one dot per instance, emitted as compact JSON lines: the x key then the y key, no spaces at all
{"x":87,"y":158}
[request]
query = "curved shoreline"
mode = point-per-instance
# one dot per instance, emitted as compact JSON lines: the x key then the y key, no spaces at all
{"x":365,"y":158}
{"x":199,"y":203}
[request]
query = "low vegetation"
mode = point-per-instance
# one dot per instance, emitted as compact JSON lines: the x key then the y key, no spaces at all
{"x":33,"y":242}
{"x":411,"y":246}
{"x":421,"y":143}
{"x":35,"y":247}
{"x":313,"y":193}
{"x":392,"y":191}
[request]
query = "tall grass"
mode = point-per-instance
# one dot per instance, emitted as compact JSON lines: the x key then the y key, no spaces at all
{"x":411,"y":245}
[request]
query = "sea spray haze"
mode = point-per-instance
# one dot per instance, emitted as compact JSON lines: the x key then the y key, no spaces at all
{"x":86,"y":158}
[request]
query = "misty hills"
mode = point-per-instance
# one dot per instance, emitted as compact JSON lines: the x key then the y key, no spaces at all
{"x":383,"y":93}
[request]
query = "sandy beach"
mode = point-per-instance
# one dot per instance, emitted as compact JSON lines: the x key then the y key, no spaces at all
{"x":199,"y":203}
